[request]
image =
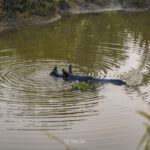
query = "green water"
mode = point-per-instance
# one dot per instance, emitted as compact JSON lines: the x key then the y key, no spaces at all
{"x":114,"y":45}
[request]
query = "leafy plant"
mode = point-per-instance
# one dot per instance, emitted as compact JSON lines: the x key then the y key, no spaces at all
{"x":84,"y":86}
{"x":35,"y":7}
{"x":146,"y":137}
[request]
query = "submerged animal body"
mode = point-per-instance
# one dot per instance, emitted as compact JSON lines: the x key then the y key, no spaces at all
{"x":67,"y":76}
{"x":112,"y":81}
{"x":89,"y":79}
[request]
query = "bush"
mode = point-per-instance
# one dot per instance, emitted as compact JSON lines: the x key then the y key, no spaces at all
{"x":37,"y":7}
{"x":14,"y":5}
{"x":63,"y":4}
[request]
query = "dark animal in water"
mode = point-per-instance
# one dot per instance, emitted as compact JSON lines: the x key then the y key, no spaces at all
{"x":67,"y":76}
{"x":89,"y":79}
{"x":55,"y":73}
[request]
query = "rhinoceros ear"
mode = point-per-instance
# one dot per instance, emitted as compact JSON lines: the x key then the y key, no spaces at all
{"x":55,"y":69}
{"x":70,"y":69}
{"x":65,"y":74}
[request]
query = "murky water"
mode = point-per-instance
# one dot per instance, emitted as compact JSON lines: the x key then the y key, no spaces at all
{"x":112,"y":45}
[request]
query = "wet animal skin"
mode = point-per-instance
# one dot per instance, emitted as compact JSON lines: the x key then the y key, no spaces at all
{"x":68,"y":76}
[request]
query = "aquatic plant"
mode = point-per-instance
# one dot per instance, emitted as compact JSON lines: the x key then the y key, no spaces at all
{"x":84,"y":86}
{"x":146,"y":137}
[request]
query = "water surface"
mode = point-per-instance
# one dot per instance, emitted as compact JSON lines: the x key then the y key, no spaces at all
{"x":113,"y":45}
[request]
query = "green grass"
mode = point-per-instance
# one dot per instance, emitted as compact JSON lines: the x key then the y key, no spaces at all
{"x":84,"y":86}
{"x":32,"y":7}
{"x":146,"y":137}
{"x":49,"y":7}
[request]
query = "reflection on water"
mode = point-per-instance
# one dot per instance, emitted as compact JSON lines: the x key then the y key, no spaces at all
{"x":106,"y":45}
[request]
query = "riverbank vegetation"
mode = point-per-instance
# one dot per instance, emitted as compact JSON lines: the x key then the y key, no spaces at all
{"x":146,"y":137}
{"x":50,"y":7}
{"x":42,"y":7}
{"x":17,"y":13}
{"x":31,"y":7}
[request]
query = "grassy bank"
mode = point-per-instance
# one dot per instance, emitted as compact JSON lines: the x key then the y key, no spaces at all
{"x":50,"y":7}
{"x":19,"y":12}
{"x":15,"y":13}
{"x":42,"y":7}
{"x":31,"y":7}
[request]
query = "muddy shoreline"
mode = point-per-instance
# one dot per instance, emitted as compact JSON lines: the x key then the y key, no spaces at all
{"x":11,"y":23}
{"x":7,"y":24}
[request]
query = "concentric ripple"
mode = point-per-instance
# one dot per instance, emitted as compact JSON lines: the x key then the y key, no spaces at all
{"x":33,"y":95}
{"x":114,"y":45}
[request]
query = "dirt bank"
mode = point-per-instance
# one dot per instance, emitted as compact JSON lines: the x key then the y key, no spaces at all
{"x":11,"y":23}
{"x":74,"y":8}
